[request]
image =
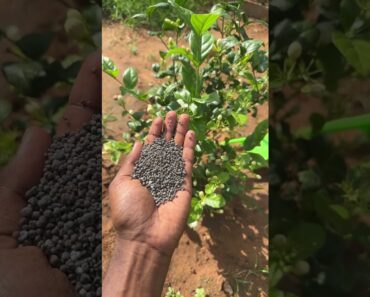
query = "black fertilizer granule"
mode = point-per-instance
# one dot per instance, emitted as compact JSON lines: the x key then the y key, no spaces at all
{"x":63,"y":212}
{"x":161,"y":169}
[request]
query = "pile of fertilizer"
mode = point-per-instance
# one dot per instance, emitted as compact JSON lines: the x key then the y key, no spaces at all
{"x":161,"y":169}
{"x":63,"y":212}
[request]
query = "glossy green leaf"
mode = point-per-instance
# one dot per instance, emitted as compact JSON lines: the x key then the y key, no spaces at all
{"x":181,"y":52}
{"x":241,"y":118}
{"x":263,"y":148}
{"x":109,"y":67}
{"x":215,"y":200}
{"x":196,"y":211}
{"x":116,"y":148}
{"x":210,"y":188}
{"x":257,"y":136}
{"x":191,"y":79}
{"x":130,"y":78}
{"x":355,"y":51}
{"x":201,"y":23}
{"x":201,"y":46}
{"x":21,"y":74}
{"x":229,"y":42}
{"x":35,"y":45}
{"x":251,"y":46}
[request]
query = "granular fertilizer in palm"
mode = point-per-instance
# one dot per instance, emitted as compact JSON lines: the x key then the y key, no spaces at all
{"x":161,"y":169}
{"x":63,"y":212}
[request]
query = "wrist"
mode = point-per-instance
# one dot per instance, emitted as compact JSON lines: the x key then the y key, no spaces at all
{"x":139,"y":249}
{"x":135,"y":269}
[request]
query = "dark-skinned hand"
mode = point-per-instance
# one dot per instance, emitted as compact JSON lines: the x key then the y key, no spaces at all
{"x":25,"y":271}
{"x":134,"y":213}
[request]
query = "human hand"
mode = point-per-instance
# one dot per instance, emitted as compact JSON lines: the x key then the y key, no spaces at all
{"x":134,"y":213}
{"x":25,"y":271}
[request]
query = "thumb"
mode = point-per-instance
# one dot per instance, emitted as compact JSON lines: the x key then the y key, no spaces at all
{"x":128,"y":163}
{"x":22,"y":172}
{"x":25,"y":169}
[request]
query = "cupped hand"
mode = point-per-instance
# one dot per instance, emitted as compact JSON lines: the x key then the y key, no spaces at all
{"x":134,"y":213}
{"x":25,"y":271}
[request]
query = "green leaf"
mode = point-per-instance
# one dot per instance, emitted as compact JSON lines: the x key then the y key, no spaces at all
{"x":209,"y":99}
{"x":35,"y":45}
{"x":109,"y":67}
{"x":130,"y":78}
{"x":116,"y":148}
{"x":200,"y":292}
{"x":361,"y":122}
{"x":263,"y":148}
{"x":202,"y":22}
{"x":340,"y":211}
{"x":200,"y":128}
{"x":21,"y":74}
{"x":181,"y":52}
{"x":355,"y":51}
{"x":152,"y":8}
{"x":223,"y":177}
{"x":210,"y":188}
{"x":241,"y":118}
{"x":196,"y":211}
{"x":251,"y":46}
{"x":229,"y":42}
{"x":183,"y":13}
{"x":109,"y":118}
{"x":190,"y":78}
{"x":201,"y":46}
{"x":307,"y":238}
{"x":183,"y":95}
{"x":215,"y":200}
{"x":257,"y":136}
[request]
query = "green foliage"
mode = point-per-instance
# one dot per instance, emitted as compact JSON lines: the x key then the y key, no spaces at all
{"x":109,"y":67}
{"x":33,"y":74}
{"x":199,"y":292}
{"x":134,"y":12}
{"x":172,"y":293}
{"x":319,"y":199}
{"x":215,"y":82}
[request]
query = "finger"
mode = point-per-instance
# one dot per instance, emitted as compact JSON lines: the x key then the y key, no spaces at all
{"x":181,"y":129}
{"x":128,"y":163}
{"x":155,"y":130}
{"x":22,"y":173}
{"x":64,"y":286}
{"x":85,"y":97}
{"x":170,"y":125}
{"x":188,"y":156}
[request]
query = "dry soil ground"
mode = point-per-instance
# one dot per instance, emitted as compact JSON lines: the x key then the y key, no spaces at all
{"x":228,"y":250}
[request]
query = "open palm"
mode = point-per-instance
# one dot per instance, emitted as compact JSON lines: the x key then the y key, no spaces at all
{"x":134,"y":213}
{"x":25,"y":271}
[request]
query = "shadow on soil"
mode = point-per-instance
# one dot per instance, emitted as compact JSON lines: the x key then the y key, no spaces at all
{"x":239,"y":243}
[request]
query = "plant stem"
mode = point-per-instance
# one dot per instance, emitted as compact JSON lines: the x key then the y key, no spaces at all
{"x":255,"y":81}
{"x":161,"y":39}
